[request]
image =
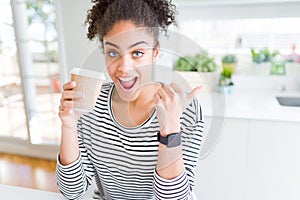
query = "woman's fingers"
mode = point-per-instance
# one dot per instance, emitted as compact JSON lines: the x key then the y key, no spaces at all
{"x":71,"y":95}
{"x":169,"y":91}
{"x":64,"y":114}
{"x":162,"y":93}
{"x":69,"y":85}
{"x":66,"y":105}
{"x":193,"y":94}
{"x":180,"y":91}
{"x":185,"y":99}
{"x":67,"y":98}
{"x":177,"y":88}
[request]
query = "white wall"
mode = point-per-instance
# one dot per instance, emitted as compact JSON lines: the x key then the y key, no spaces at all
{"x":78,"y":49}
{"x":229,"y":9}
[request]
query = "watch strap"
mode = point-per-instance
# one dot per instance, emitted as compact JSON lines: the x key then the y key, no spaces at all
{"x":171,"y":140}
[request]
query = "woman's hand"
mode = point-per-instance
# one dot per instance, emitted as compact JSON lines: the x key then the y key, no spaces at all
{"x":66,"y":114}
{"x":170,"y":103}
{"x":69,"y":149}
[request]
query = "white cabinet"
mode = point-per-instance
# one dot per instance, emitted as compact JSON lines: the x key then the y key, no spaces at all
{"x":273,"y":161}
{"x":221,"y":175}
{"x":253,"y":160}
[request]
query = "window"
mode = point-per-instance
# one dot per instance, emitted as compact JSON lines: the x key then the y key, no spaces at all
{"x":30,"y":88}
{"x":12,"y":108}
{"x":275,"y":33}
{"x":44,"y":72}
{"x":239,"y":36}
{"x":223,"y":27}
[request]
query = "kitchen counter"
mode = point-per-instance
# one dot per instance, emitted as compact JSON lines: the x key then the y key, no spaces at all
{"x":251,"y":152}
{"x":251,"y":144}
{"x":250,"y":104}
{"x":16,"y":193}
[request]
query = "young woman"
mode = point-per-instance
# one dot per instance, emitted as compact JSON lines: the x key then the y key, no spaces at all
{"x":142,"y":139}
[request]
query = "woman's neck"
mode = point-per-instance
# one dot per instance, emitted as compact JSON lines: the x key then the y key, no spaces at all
{"x":133,"y":113}
{"x":144,"y":99}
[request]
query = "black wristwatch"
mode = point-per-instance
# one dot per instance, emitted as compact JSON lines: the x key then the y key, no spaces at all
{"x":172,"y":140}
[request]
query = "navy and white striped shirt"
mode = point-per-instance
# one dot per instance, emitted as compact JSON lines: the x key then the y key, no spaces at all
{"x":123,"y":160}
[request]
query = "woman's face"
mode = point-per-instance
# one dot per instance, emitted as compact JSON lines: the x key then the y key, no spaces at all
{"x":129,"y":56}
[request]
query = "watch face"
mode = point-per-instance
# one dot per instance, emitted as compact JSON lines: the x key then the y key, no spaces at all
{"x":174,"y":140}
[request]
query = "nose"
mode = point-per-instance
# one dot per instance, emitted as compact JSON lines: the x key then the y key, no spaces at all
{"x":125,"y":63}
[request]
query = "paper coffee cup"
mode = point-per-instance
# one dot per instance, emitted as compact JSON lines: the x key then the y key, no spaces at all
{"x":89,"y":83}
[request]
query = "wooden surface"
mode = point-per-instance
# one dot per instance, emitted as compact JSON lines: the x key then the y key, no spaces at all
{"x":28,"y":172}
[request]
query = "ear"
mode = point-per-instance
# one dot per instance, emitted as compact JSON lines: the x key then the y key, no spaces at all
{"x":156,"y":51}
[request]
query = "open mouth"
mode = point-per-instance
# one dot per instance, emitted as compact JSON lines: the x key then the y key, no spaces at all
{"x":127,"y":83}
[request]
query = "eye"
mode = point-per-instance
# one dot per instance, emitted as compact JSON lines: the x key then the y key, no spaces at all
{"x":138,"y":54}
{"x":113,"y":54}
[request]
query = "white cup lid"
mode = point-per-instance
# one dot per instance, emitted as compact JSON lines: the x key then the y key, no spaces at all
{"x":88,"y":73}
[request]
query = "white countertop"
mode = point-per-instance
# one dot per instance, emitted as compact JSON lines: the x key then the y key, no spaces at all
{"x":251,"y":104}
{"x":8,"y":192}
{"x":16,"y":193}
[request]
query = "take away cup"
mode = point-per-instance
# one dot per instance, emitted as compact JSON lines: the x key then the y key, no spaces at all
{"x":89,"y":83}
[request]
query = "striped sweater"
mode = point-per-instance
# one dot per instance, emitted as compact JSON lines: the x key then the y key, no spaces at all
{"x":123,"y":160}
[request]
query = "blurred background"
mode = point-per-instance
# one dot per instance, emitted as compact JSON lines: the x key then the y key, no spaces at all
{"x":254,"y":153}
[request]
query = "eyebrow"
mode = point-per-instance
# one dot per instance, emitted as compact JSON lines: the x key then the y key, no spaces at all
{"x":133,"y":45}
{"x":111,"y":44}
{"x":138,"y":43}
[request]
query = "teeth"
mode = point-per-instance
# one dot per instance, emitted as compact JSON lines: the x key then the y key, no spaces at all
{"x":127,"y":82}
{"x":126,"y":79}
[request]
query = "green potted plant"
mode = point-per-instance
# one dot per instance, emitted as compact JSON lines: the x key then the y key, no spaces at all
{"x":263,"y":55}
{"x":229,"y":61}
{"x":204,"y":63}
{"x":278,"y":65}
{"x":185,"y":63}
{"x":261,"y":59}
{"x":225,"y":84}
{"x":200,"y":69}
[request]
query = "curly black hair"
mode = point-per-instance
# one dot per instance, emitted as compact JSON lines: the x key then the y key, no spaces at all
{"x":144,"y":13}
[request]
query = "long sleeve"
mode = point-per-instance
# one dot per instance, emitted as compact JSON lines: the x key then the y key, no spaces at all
{"x":74,"y":179}
{"x":177,"y":188}
{"x":192,"y":133}
{"x":123,"y":160}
